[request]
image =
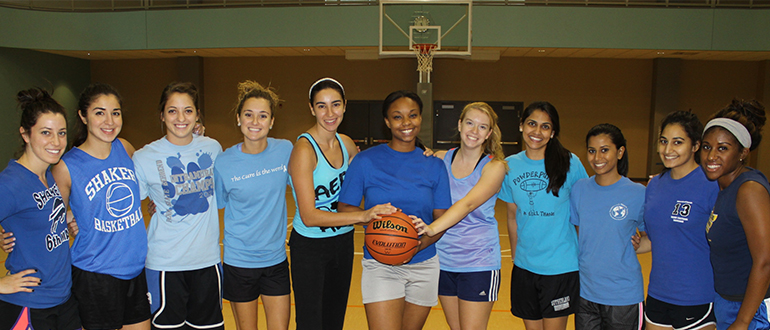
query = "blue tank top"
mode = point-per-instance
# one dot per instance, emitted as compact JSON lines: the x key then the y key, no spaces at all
{"x":104,"y":199}
{"x":730,"y":254}
{"x":327,"y":181}
{"x":473,"y":244}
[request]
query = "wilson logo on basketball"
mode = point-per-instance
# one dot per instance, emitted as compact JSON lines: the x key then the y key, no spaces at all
{"x":388,"y":225}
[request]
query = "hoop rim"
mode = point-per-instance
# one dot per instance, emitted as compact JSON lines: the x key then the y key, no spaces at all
{"x":424,"y":48}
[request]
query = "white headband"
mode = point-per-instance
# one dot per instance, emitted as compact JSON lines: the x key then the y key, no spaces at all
{"x":310,"y":93}
{"x":739,"y":131}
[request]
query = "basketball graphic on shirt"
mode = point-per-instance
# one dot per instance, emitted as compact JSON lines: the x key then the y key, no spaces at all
{"x":120,"y":199}
{"x":619,"y":211}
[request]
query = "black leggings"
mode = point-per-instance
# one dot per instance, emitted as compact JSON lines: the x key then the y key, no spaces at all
{"x":320,"y":277}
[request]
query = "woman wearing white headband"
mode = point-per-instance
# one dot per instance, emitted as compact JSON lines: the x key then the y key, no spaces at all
{"x":739,"y":227}
{"x":321,"y":239}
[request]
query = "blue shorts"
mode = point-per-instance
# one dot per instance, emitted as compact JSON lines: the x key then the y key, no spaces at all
{"x":471,"y":286}
{"x":726,"y":311}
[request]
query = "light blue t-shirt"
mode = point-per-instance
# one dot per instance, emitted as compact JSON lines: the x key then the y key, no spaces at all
{"x":610,"y":273}
{"x":184,"y":231}
{"x":252,"y":190}
{"x":411,"y":181}
{"x":547,"y":242}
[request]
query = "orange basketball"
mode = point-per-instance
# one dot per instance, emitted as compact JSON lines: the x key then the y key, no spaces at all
{"x":392,"y":239}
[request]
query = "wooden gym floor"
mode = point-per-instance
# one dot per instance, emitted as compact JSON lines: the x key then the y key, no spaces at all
{"x":355,"y":318}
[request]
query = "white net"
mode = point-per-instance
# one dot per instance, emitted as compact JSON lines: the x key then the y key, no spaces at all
{"x":424,"y":54}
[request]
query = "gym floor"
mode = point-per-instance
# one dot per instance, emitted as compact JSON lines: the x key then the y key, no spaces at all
{"x":355,"y":318}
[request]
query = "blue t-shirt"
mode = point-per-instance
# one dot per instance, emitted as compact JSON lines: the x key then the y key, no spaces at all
{"x":36,"y":215}
{"x":408,"y":180}
{"x":104,"y":198}
{"x":184,"y":231}
{"x":252,"y":190}
{"x":608,"y":216}
{"x":730,"y":254}
{"x":675,"y":215}
{"x":327,"y":182}
{"x":473,"y":244}
{"x":547,"y":242}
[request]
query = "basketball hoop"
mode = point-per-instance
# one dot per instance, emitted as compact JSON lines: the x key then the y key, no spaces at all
{"x":424,"y":54}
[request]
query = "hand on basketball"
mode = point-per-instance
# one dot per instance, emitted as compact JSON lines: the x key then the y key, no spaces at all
{"x":376,"y":211}
{"x":19,"y":282}
{"x":72,"y":225}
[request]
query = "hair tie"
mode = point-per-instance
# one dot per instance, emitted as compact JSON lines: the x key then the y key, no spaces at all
{"x":737,"y":129}
{"x":310,"y":93}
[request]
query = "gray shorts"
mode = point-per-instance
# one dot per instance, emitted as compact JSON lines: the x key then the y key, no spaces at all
{"x":417,"y":283}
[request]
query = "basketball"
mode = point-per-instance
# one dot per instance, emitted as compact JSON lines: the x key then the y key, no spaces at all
{"x":392,"y":239}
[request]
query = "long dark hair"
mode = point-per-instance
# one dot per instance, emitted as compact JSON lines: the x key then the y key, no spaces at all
{"x":88,"y":96}
{"x":617,"y":139}
{"x":557,"y":157}
{"x":691,"y":126}
{"x":35,"y":102}
{"x":393,"y":97}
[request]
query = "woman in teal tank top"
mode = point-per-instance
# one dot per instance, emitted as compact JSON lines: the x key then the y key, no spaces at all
{"x":322,"y":239}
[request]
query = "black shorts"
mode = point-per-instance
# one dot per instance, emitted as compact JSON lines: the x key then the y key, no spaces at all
{"x":593,"y":316}
{"x":107,"y":302}
{"x":61,"y":317}
{"x":247,"y":284}
{"x":186,"y":299}
{"x":470,"y":286}
{"x":663,"y":314}
{"x":535,"y":297}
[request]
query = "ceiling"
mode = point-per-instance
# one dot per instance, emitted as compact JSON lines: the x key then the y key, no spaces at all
{"x":341,"y":51}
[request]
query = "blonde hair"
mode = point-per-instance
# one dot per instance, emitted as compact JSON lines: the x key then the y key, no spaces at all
{"x":249,"y":89}
{"x":492,"y":145}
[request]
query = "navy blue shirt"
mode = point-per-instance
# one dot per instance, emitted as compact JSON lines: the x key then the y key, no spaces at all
{"x":730,"y":253}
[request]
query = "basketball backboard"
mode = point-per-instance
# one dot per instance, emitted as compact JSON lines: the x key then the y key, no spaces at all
{"x":446,"y":23}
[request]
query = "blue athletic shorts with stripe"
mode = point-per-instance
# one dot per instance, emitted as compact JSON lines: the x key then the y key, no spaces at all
{"x":471,"y":286}
{"x":726,"y":311}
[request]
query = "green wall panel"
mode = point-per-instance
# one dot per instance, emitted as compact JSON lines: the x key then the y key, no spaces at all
{"x":493,"y":26}
{"x":22,"y":69}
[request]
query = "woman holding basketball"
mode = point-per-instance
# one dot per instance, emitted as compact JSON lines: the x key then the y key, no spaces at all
{"x":36,"y":292}
{"x":97,"y":179}
{"x":251,"y":181}
{"x":677,"y":207}
{"x":177,"y":173}
{"x":399,"y":297}
{"x":470,"y":248}
{"x":739,"y":227}
{"x":321,"y":239}
{"x":607,"y":208}
{"x":544,"y":280}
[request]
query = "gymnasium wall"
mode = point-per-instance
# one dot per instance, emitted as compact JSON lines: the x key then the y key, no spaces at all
{"x":23,"y":69}
{"x":585,"y":91}
{"x":493,"y":26}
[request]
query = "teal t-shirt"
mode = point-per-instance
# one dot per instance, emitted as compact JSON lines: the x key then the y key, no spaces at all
{"x":547,"y":242}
